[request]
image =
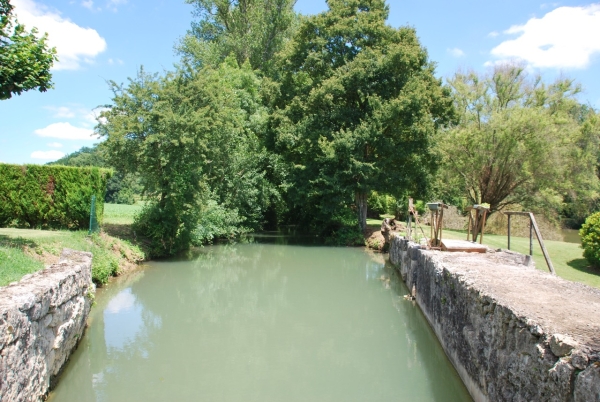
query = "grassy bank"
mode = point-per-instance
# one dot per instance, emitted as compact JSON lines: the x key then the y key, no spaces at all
{"x":23,"y":251}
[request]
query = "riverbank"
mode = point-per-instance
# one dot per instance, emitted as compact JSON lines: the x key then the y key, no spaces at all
{"x":24,"y":251}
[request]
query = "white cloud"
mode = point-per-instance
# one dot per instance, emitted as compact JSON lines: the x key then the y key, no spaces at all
{"x":55,"y":145}
{"x":75,"y":45}
{"x":61,"y":112}
{"x":456,"y":52}
{"x":65,"y":131}
{"x":493,"y":34}
{"x":89,"y":4}
{"x":47,"y":155}
{"x":563,"y":38}
{"x":113,"y":4}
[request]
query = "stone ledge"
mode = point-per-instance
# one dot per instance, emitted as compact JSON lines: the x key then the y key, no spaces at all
{"x":511,"y":331}
{"x":42,"y":318}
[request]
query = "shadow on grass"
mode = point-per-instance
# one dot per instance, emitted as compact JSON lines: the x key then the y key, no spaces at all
{"x":581,"y":264}
{"x":18,"y":242}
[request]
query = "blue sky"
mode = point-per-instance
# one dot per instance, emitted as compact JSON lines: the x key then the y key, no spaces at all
{"x":100,"y":40}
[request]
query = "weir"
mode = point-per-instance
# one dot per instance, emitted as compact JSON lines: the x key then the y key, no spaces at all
{"x":512,"y":332}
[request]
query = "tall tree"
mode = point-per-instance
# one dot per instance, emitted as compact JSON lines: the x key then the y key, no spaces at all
{"x":251,"y":30}
{"x":358,"y":109}
{"x":25,"y":59}
{"x":193,"y":141}
{"x":516,"y":139}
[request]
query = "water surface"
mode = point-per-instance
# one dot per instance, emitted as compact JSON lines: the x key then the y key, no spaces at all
{"x":259,"y":322}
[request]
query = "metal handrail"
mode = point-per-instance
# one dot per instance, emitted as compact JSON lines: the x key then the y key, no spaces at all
{"x":532,"y":227}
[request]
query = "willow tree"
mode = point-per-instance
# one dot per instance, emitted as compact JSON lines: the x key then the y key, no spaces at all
{"x":358,"y":110}
{"x":518,"y":139}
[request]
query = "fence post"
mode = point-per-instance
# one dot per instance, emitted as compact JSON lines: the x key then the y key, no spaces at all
{"x":93,"y":218}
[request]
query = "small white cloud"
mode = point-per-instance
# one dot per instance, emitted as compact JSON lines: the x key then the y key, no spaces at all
{"x":61,"y":112}
{"x":456,"y":52}
{"x":566,"y":37}
{"x":75,"y":45}
{"x":47,"y":155}
{"x":493,"y":34}
{"x":114,"y":4}
{"x":549,"y":5}
{"x":55,"y":145}
{"x":65,"y":131}
{"x":89,"y":4}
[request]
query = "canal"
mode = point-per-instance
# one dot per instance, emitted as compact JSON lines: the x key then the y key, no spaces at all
{"x":259,"y":322}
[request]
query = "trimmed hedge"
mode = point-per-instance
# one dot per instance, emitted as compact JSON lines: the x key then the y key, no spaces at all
{"x":57,"y":197}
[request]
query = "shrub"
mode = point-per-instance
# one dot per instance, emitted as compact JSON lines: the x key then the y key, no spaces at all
{"x":56,"y":197}
{"x":590,"y":239}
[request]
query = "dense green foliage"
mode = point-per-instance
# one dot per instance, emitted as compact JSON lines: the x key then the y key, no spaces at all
{"x":590,"y":239}
{"x":192,"y":139}
{"x":121,"y":188}
{"x":272,"y":118}
{"x":25,"y":60}
{"x":250,"y":30}
{"x":519,"y":142}
{"x":358,"y":110}
{"x":36,"y":196}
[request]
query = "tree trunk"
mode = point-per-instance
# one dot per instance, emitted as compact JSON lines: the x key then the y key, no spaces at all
{"x":361,"y":206}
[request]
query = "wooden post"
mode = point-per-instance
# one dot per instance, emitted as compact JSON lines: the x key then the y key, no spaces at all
{"x":509,"y":232}
{"x":530,"y":238}
{"x":541,"y":241}
{"x":410,"y":211}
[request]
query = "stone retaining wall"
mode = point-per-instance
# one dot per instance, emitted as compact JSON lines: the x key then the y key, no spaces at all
{"x":42,"y":318}
{"x":506,"y":344}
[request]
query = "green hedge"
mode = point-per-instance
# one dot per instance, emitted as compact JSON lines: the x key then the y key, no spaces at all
{"x":58,"y":197}
{"x":590,"y":239}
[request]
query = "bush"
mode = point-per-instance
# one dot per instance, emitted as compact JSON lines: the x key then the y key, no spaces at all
{"x":56,"y":197}
{"x":590,"y":239}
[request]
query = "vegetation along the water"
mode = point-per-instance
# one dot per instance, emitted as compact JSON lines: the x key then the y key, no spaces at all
{"x":324,"y":121}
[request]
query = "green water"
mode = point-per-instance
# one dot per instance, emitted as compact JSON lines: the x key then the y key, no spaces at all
{"x":259,"y":322}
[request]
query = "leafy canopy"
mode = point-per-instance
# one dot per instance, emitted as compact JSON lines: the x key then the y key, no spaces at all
{"x":250,"y":30}
{"x":358,"y":109}
{"x":25,"y":60}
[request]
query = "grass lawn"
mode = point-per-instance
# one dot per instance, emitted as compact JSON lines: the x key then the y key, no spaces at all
{"x":14,"y":264}
{"x":120,"y":214}
{"x":23,"y":251}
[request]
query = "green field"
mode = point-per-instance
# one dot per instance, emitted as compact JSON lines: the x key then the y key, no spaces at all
{"x":119,"y":214}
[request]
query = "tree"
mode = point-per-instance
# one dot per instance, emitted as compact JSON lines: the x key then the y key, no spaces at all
{"x":358,"y":110}
{"x":193,"y":141}
{"x":517,"y":140}
{"x":25,"y":60}
{"x":251,"y":30}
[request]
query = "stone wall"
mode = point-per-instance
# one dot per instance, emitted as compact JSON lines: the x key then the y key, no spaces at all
{"x":513,"y":333}
{"x":42,"y":319}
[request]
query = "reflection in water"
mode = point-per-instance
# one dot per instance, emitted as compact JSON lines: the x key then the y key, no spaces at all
{"x":260,"y":322}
